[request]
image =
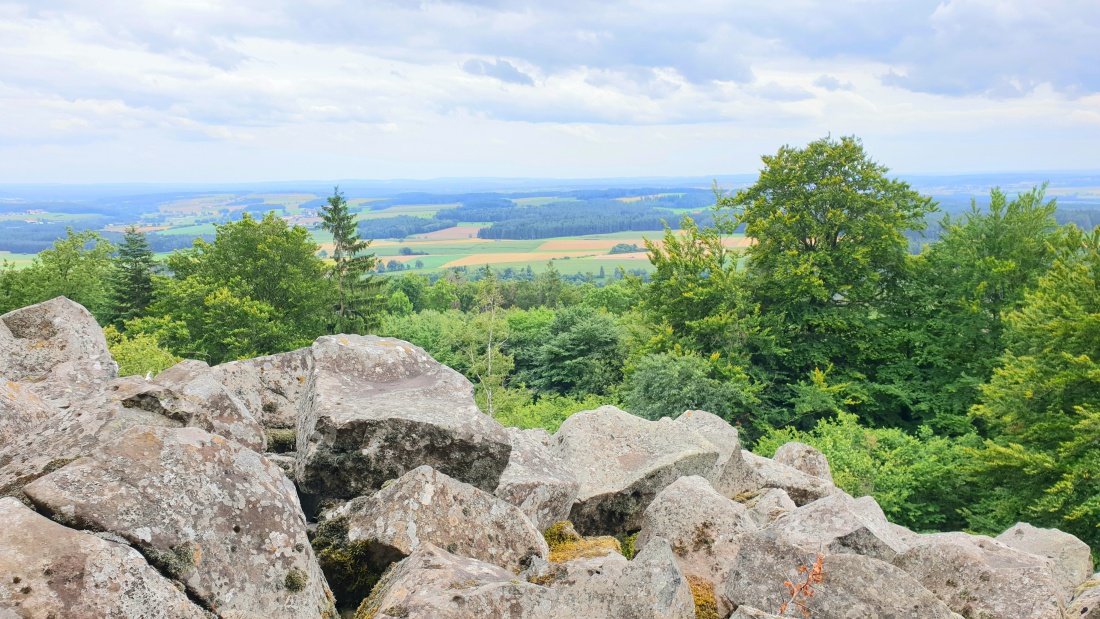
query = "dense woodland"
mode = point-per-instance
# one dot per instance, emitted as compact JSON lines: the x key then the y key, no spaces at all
{"x":959,"y":385}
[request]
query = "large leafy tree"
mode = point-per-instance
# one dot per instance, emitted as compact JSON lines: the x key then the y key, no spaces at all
{"x":359,"y":299}
{"x":827,"y":224}
{"x":1043,"y":403}
{"x":131,"y":278}
{"x":76,"y":266}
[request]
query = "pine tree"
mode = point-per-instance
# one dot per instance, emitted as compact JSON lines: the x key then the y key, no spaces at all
{"x":358,"y":294}
{"x":131,"y":278}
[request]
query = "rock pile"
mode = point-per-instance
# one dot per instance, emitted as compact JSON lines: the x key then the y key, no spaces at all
{"x":391,"y":496}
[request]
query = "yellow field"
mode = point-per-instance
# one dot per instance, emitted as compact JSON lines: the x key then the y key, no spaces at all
{"x":634,"y":255}
{"x":450,"y":234}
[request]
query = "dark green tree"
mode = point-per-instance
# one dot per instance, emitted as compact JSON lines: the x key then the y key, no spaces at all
{"x":131,"y":278}
{"x":359,"y":298}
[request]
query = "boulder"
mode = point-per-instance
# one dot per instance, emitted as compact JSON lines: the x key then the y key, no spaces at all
{"x":426,"y":506}
{"x":804,"y":458}
{"x":536,"y":481}
{"x":270,"y":387}
{"x":840,"y":524}
{"x":208,"y":512}
{"x":189,"y":392}
{"x":376,"y":408}
{"x":704,"y":530}
{"x":47,"y":570}
{"x":748,"y":612}
{"x":622,"y":462}
{"x":980,"y":577}
{"x":21,"y":411}
{"x":1086,"y":600}
{"x":1072,"y":558}
{"x":768,"y":504}
{"x":56,"y":342}
{"x":853,"y":585}
{"x":802,"y":488}
{"x":434,"y":584}
{"x":731,"y":475}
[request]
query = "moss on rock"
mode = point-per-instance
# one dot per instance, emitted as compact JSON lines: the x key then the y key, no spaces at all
{"x":281,"y":441}
{"x":566,"y":544}
{"x":702,"y":591}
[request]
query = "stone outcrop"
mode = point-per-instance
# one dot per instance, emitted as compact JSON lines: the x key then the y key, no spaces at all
{"x":802,"y":488}
{"x":375,"y":408}
{"x":536,"y":481}
{"x":1072,"y":558}
{"x":622,"y":462}
{"x":425,"y":506}
{"x":840,"y":524}
{"x":704,"y":530}
{"x":804,"y":458}
{"x":21,"y":411}
{"x":731,"y":475}
{"x":48,"y":570}
{"x":766,"y":505}
{"x":208,"y":512}
{"x":270,"y":387}
{"x":854,"y":586}
{"x":1086,"y":600}
{"x":979,"y":577}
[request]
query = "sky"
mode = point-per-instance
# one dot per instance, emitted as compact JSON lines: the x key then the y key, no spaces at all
{"x":267,"y":90}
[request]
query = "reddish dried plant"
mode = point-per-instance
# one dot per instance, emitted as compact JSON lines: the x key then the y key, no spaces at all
{"x":804,"y":589}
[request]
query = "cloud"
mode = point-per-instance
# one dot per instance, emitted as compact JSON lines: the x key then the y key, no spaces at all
{"x":829,"y":82}
{"x":781,"y":92}
{"x":499,"y":69}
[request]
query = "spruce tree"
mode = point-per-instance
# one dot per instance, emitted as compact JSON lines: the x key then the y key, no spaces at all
{"x":131,"y":278}
{"x":358,"y":294}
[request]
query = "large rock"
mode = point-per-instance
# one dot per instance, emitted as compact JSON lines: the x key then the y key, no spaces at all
{"x":1086,"y":600}
{"x":766,"y":505}
{"x":979,"y":577}
{"x":210,"y":513}
{"x":704,"y":530}
{"x":731,"y":475}
{"x":1072,"y":558}
{"x":853,"y":586}
{"x":434,"y":584}
{"x":748,"y":612}
{"x":190,"y":393}
{"x":55,"y":341}
{"x":802,"y":488}
{"x":840,"y":524}
{"x":270,"y":387}
{"x":622,"y":462}
{"x":426,"y":506}
{"x":536,"y":481}
{"x":47,"y":570}
{"x":21,"y":411}
{"x":804,"y":458}
{"x":375,"y":408}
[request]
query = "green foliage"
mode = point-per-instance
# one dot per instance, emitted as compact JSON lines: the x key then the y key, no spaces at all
{"x":138,"y":354}
{"x":130,"y":279}
{"x":917,"y":479}
{"x":548,"y":412}
{"x":625,"y":248}
{"x":358,"y":301}
{"x":398,"y":304}
{"x":583,"y":353}
{"x":76,"y":266}
{"x":1043,"y":403}
{"x":665,"y":385}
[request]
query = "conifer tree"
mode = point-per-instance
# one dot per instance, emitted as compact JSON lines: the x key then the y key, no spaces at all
{"x":358,"y":294}
{"x":131,"y":278}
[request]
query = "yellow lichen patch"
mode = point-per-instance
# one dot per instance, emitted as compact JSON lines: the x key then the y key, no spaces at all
{"x":706,"y":607}
{"x":566,"y":544}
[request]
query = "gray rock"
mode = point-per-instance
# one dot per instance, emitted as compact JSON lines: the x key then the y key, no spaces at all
{"x":21,"y":411}
{"x":375,"y":408}
{"x":622,"y":462}
{"x":57,"y":342}
{"x":767,"y":505}
{"x":270,"y":387}
{"x":748,"y":612}
{"x":702,"y":527}
{"x":434,"y":584}
{"x":980,"y":577}
{"x":840,"y":524}
{"x":189,"y":392}
{"x":1086,"y":600}
{"x":854,"y":585}
{"x":802,"y":488}
{"x":731,"y":475}
{"x":1072,"y":558}
{"x":426,"y":506}
{"x":47,"y":570}
{"x":208,"y":512}
{"x":536,"y":481}
{"x":804,"y":458}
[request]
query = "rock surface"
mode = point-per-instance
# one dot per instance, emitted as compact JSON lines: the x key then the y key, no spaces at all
{"x":702,"y":527}
{"x":804,"y":458}
{"x":1072,"y":558}
{"x":622,"y":462}
{"x":979,"y":577}
{"x":375,"y":408}
{"x":767,"y":505}
{"x":854,"y":585}
{"x":426,"y":506}
{"x":1086,"y":601}
{"x":802,"y":488}
{"x":840,"y":524}
{"x":21,"y":411}
{"x":536,"y":481}
{"x":270,"y":387}
{"x":731,"y":475}
{"x":212,"y":514}
{"x":47,"y":570}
